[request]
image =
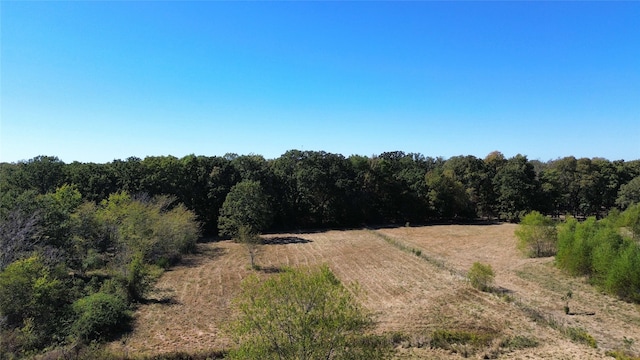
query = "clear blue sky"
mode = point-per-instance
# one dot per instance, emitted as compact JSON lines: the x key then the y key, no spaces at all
{"x":97,"y":81}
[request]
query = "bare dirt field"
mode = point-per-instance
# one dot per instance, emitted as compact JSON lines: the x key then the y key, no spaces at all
{"x":408,"y":294}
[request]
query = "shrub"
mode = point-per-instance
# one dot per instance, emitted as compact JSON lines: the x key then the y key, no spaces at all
{"x":302,"y":314}
{"x":481,"y":276}
{"x":140,"y":278}
{"x":576,"y":244}
{"x":621,"y":355}
{"x":604,"y":252}
{"x":99,"y":316}
{"x":580,"y":335}
{"x":536,"y":235}
{"x":623,"y":277}
{"x":33,"y":298}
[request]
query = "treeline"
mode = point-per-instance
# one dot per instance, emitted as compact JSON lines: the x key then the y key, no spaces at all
{"x":311,"y":189}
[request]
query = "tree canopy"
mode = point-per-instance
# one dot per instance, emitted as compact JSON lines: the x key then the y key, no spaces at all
{"x":311,"y":189}
{"x":246,"y":205}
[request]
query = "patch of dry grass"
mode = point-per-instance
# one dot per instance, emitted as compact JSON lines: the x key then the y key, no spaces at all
{"x":407,"y":294}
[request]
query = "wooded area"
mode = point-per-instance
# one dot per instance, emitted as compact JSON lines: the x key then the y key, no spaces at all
{"x":315,"y":189}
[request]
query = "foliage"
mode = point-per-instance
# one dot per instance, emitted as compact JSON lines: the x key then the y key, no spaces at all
{"x":481,"y":276}
{"x":630,"y":219}
{"x":301,"y":314}
{"x":447,"y":195}
{"x":621,"y":355}
{"x":246,"y":205}
{"x":19,"y":235}
{"x":629,"y":193}
{"x":536,"y":235}
{"x":140,"y":278}
{"x":516,"y":187}
{"x":33,"y":298}
{"x":251,"y":241}
{"x":61,"y":251}
{"x":152,"y":227}
{"x":311,"y":189}
{"x":602,"y":251}
{"x":99,"y":316}
{"x":580,"y":335}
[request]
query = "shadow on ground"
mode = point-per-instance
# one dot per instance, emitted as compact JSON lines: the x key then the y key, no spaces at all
{"x":284,"y":240}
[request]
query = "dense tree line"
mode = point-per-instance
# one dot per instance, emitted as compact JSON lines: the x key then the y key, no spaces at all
{"x":319,"y":189}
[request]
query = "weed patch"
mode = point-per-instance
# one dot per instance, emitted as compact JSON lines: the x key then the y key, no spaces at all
{"x":621,"y":355}
{"x":463,"y":342}
{"x":519,"y":342}
{"x":580,"y":335}
{"x":417,"y":252}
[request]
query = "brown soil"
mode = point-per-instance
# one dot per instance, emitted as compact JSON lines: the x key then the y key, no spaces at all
{"x":408,"y":294}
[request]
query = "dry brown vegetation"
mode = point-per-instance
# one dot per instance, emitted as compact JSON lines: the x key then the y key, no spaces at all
{"x":414,"y":284}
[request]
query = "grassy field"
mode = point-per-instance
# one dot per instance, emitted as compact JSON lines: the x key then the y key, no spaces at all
{"x":414,"y":285}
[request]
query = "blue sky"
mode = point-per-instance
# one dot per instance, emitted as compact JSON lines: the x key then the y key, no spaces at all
{"x":97,"y":81}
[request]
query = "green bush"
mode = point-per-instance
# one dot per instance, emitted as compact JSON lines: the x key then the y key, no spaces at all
{"x":481,"y":276}
{"x":302,"y":314}
{"x":623,"y":277}
{"x":33,"y":299}
{"x":605,"y":251}
{"x":536,"y":235}
{"x":99,"y":316}
{"x":140,"y":278}
{"x":576,"y":244}
{"x":580,"y":335}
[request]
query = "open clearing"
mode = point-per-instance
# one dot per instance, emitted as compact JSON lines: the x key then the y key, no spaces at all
{"x":408,"y":294}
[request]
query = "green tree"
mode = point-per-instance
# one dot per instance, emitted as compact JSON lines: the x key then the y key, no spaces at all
{"x":629,"y":193}
{"x":447,"y":195}
{"x":516,"y":187}
{"x":245,"y":205}
{"x":536,"y":235}
{"x":301,"y":314}
{"x":251,"y":241}
{"x":471,"y":172}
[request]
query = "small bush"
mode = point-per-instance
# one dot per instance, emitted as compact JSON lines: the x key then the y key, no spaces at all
{"x":141,"y":278}
{"x":99,"y":316}
{"x":621,"y":355}
{"x":536,"y":235}
{"x":481,"y":276}
{"x":580,"y":335}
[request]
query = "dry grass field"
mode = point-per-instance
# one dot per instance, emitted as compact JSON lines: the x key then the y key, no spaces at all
{"x":409,"y":295}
